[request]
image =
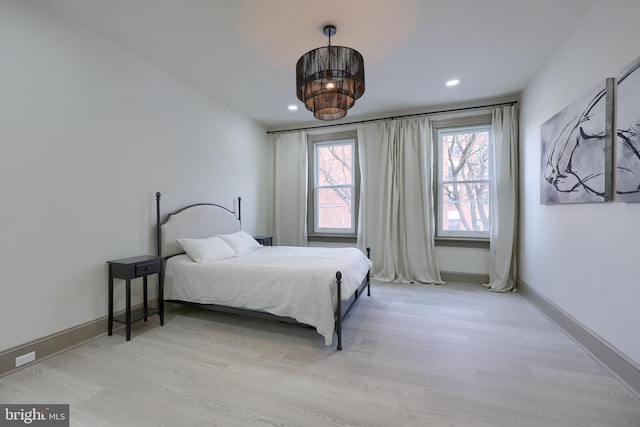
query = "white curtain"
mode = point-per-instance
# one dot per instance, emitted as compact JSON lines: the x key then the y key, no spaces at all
{"x":504,"y":200}
{"x":396,"y":218}
{"x":290,"y":189}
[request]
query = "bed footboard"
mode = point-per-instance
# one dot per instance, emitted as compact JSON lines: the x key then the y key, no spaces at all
{"x":340,"y":316}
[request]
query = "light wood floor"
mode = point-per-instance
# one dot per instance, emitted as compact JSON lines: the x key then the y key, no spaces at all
{"x":414,"y":355}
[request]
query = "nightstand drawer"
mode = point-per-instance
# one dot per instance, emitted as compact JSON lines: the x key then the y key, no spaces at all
{"x":147,"y":268}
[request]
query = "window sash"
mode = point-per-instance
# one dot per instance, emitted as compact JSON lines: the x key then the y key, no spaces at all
{"x":444,"y":220}
{"x":319,"y":188}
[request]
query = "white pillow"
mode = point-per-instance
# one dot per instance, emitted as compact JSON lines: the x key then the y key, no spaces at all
{"x":241,"y":242}
{"x":206,"y":250}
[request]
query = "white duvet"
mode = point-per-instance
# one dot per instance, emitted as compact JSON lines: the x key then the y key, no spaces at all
{"x":296,"y":282}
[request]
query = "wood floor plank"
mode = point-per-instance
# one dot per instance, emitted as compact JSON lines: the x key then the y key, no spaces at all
{"x":414,"y":355}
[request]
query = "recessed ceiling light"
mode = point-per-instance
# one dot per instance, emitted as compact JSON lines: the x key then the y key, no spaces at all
{"x":293,"y":107}
{"x":453,"y":82}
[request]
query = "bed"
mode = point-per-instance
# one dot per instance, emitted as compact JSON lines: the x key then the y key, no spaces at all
{"x":313,"y":286}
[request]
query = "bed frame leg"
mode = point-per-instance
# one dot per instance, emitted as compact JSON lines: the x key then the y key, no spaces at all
{"x":368,"y":272}
{"x":158,"y":223}
{"x":339,"y":310}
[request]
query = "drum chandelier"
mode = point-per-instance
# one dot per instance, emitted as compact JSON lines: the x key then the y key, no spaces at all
{"x":330,"y":79}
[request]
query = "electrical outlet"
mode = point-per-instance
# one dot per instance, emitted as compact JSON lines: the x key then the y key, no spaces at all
{"x":25,"y":358}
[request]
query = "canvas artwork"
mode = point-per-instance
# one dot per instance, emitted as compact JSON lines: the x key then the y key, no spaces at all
{"x":576,"y":163}
{"x":628,"y":134}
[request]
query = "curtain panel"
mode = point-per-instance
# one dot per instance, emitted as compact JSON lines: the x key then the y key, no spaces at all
{"x":291,"y":177}
{"x":504,"y":200}
{"x":396,"y":216}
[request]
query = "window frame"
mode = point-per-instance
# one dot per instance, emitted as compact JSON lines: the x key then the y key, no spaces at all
{"x":335,"y":235}
{"x":447,"y":127}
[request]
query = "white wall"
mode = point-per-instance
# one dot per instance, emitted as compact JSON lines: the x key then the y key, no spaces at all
{"x":583,"y":258}
{"x":463,"y":260}
{"x":88,"y":134}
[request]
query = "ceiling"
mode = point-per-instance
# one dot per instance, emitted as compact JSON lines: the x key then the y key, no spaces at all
{"x":243,"y":52}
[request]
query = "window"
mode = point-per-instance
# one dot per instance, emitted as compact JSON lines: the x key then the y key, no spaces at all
{"x":333,"y":185}
{"x":463,"y":182}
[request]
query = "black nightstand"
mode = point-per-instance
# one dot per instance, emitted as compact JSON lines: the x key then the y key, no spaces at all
{"x":132,"y":268}
{"x":264,"y":240}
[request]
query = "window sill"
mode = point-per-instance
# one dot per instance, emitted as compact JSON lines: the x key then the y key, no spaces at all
{"x":332,"y":238}
{"x":462,"y":242}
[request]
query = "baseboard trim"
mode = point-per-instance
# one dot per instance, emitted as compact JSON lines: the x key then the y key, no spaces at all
{"x":619,"y":365}
{"x":460,"y":277}
{"x":52,"y":344}
{"x":57,"y":342}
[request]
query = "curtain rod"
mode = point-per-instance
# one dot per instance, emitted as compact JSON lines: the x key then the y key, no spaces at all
{"x":428,"y":113}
